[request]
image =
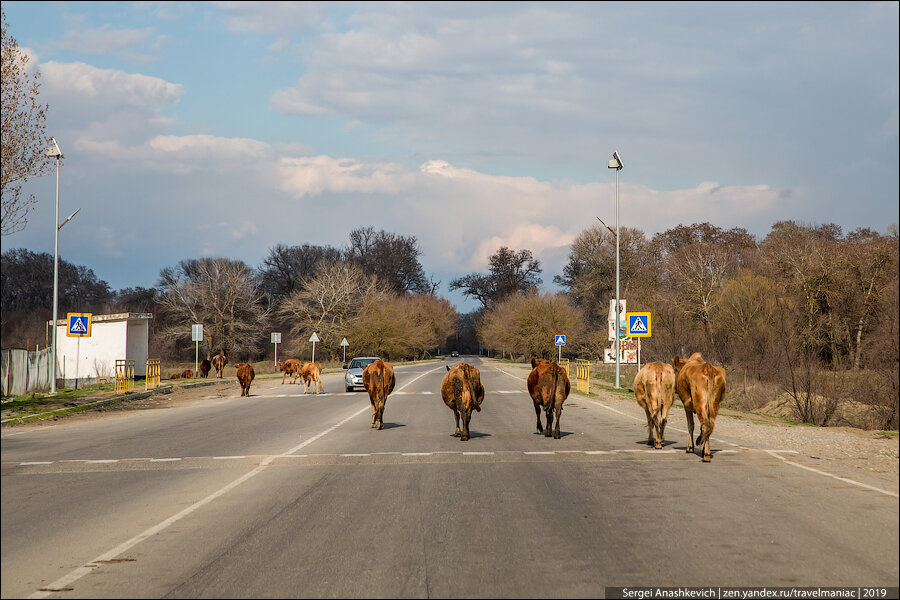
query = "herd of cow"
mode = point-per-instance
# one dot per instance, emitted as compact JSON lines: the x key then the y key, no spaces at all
{"x":699,"y":384}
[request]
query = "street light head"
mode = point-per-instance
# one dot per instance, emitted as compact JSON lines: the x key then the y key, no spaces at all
{"x":616,"y":162}
{"x":53,"y":150}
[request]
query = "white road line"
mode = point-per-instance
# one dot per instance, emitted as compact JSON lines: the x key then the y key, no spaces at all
{"x":80,"y":572}
{"x":826,"y":474}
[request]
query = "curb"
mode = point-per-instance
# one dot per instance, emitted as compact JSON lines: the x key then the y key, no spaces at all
{"x":134,"y":396}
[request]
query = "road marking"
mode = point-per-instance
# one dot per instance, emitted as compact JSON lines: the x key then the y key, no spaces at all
{"x":844,"y":479}
{"x":75,"y":575}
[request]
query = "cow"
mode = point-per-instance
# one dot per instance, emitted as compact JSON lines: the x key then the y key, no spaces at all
{"x":701,"y":387}
{"x":378,"y":379}
{"x":204,"y":368}
{"x":654,"y":390}
{"x":245,"y":375}
{"x":312,"y":374}
{"x":175,"y":376}
{"x":290,"y":367}
{"x":186,"y":374}
{"x":462,"y":392}
{"x":218,"y":362}
{"x":548,"y":385}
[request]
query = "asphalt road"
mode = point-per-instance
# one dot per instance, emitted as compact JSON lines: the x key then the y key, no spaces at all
{"x":286,"y":495}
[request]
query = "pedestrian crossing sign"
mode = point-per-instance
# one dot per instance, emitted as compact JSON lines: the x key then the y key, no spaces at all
{"x":560,"y":340}
{"x":638,"y":324}
{"x":79,"y":324}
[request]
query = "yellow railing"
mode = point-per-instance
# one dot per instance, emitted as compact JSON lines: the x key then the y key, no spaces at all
{"x":124,"y":375}
{"x":564,"y":363}
{"x":583,"y":375}
{"x":153,"y":374}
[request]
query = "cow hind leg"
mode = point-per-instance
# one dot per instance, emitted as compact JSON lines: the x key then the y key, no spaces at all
{"x":456,"y":416}
{"x":466,"y":417}
{"x":537,"y":411}
{"x":557,"y":434}
{"x":650,"y":425}
{"x":549,"y":430}
{"x":690,"y":425}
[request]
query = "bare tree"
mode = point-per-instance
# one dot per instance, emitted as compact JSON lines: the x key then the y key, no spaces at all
{"x":328,"y":304}
{"x":525,"y":324}
{"x":24,"y":141}
{"x":394,"y":259}
{"x":511,"y":273}
{"x":221,"y":294}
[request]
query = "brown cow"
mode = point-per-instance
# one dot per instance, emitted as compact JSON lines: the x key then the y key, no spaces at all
{"x":378,"y":379}
{"x":701,"y":387}
{"x":187,"y":374}
{"x":175,"y":376}
{"x":654,"y":390}
{"x":245,"y":375}
{"x":218,"y":362}
{"x":548,"y":385}
{"x":462,"y":391}
{"x":204,"y":368}
{"x":312,"y":374}
{"x":290,"y":367}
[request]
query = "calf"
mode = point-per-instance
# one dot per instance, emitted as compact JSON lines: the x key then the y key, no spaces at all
{"x":312,"y":374}
{"x":548,"y":385}
{"x":204,"y":368}
{"x":290,"y":367}
{"x":701,"y":387}
{"x":245,"y":375}
{"x":219,"y":362}
{"x":378,"y":379}
{"x":654,"y":390}
{"x":462,"y":391}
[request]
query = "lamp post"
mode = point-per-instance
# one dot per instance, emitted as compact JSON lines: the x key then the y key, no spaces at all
{"x":55,"y":152}
{"x":616,"y":163}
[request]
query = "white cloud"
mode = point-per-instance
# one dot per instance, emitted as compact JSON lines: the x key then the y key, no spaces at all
{"x":105,"y":39}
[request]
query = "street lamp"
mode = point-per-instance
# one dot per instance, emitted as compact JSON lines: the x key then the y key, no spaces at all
{"x":616,"y":163}
{"x":55,"y":152}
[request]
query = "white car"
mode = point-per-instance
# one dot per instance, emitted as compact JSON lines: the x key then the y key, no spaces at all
{"x":354,"y":371}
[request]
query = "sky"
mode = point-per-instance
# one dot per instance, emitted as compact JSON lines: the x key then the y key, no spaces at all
{"x":196,"y":129}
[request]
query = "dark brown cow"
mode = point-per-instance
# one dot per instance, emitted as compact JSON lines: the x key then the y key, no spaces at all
{"x":312,"y":374}
{"x":175,"y":376}
{"x":654,"y":390}
{"x":548,"y":385}
{"x":462,"y":391}
{"x":186,"y":374}
{"x":204,"y":368}
{"x":290,"y":367}
{"x":218,"y":362}
{"x":701,"y":387}
{"x":378,"y":379}
{"x":245,"y":375}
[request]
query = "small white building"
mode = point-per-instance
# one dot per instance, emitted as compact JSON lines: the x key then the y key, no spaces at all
{"x":121,"y":336}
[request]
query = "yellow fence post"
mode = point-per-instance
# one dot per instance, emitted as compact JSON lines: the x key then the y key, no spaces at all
{"x":151,"y":381}
{"x":564,"y":363}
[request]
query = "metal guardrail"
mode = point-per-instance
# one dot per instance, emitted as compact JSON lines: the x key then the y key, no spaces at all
{"x":124,"y":375}
{"x":564,"y":363}
{"x":583,"y":375}
{"x":153,"y":377}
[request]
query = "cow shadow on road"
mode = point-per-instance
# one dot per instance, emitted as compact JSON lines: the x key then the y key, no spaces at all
{"x":472,"y":435}
{"x":562,"y":434}
{"x":666,"y":444}
{"x":393,"y":425}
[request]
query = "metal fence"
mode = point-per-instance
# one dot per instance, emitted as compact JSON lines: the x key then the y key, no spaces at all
{"x":153,"y":374}
{"x":583,"y":375}
{"x":25,"y":371}
{"x":124,"y":375}
{"x":564,"y":363}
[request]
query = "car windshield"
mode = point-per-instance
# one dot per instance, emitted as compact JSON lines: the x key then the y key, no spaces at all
{"x":361,"y":363}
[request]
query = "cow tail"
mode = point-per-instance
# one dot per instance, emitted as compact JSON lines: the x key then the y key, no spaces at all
{"x":458,"y":395}
{"x":378,"y":377}
{"x":555,"y":384}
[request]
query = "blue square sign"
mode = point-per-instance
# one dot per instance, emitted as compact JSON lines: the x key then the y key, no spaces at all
{"x":78,"y":324}
{"x":560,"y":340}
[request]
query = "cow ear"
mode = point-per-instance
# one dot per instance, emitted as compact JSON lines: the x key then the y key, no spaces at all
{"x":533,"y":363}
{"x":448,"y":367}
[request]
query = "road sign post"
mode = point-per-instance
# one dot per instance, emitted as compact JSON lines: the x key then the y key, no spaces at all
{"x":276,"y":339}
{"x":344,"y":344}
{"x":197,"y":337}
{"x":560,"y":340}
{"x":314,"y":338}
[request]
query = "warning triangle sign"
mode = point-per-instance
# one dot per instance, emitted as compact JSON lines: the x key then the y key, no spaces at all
{"x":78,"y":325}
